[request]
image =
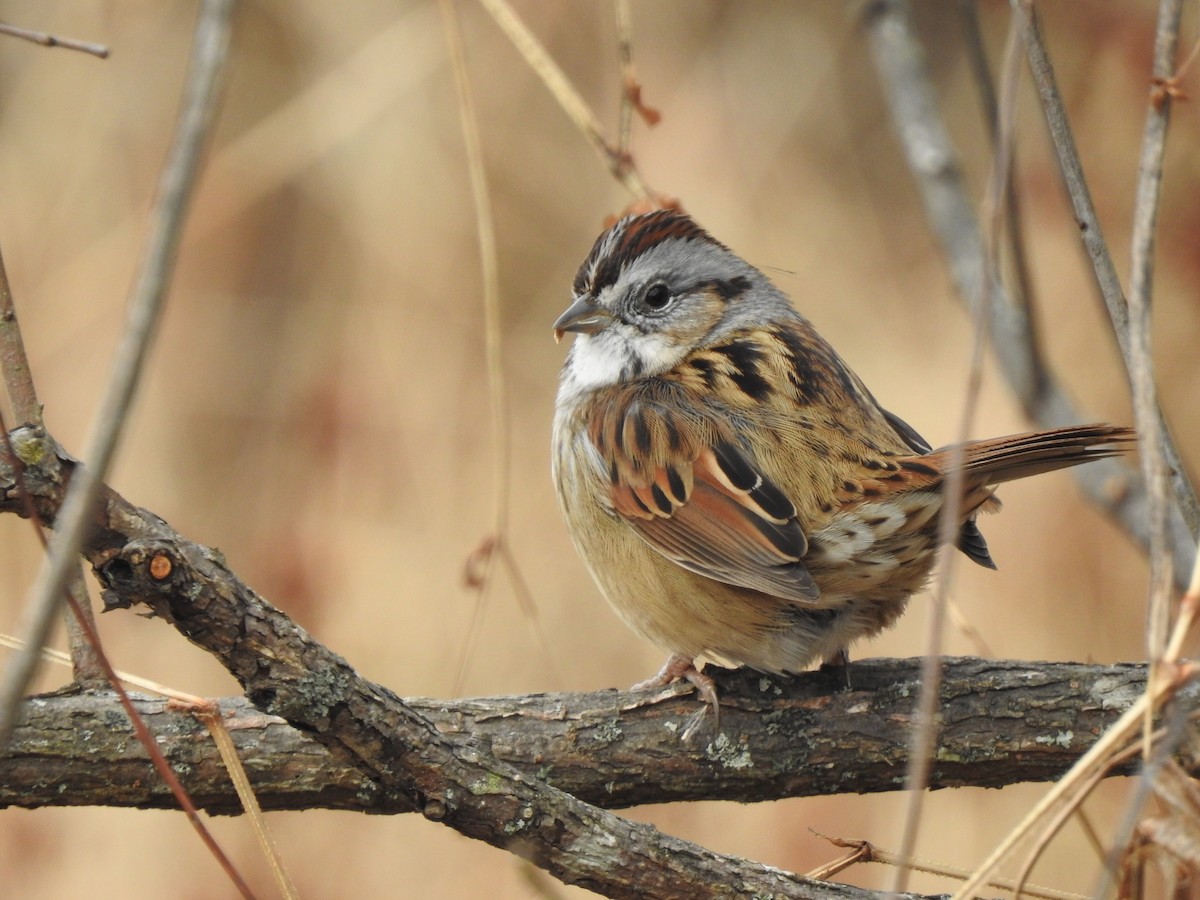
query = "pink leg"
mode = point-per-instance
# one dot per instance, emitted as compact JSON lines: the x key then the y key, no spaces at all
{"x":679,"y":666}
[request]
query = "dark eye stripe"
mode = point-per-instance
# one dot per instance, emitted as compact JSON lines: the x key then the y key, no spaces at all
{"x":729,"y":290}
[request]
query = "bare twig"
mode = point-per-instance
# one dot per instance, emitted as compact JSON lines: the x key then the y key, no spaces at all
{"x":1141,"y":360}
{"x":14,"y":363}
{"x":50,"y":40}
{"x":631,"y":88}
{"x":624,"y":19}
{"x":1097,"y":250}
{"x":22,"y":397}
{"x":568,"y":97}
{"x":178,"y":177}
{"x":1111,"y":485}
{"x":209,"y":713}
{"x":866,"y":852}
{"x":496,"y":543}
{"x":899,"y":53}
{"x":1073,"y":787}
{"x":903,"y":54}
{"x":490,"y":270}
{"x":1020,"y":282}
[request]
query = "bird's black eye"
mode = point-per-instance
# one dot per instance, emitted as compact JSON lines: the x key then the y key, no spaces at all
{"x":657,"y":296}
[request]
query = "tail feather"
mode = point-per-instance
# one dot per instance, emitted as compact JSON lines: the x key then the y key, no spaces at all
{"x":971,"y":542}
{"x":1002,"y":459}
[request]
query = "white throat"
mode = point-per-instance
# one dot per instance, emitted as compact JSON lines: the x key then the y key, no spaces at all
{"x":608,"y":358}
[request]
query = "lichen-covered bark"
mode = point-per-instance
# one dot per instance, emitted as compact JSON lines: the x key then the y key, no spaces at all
{"x":1003,"y":722}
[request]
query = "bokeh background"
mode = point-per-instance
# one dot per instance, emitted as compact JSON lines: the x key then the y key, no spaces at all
{"x":316,"y":405}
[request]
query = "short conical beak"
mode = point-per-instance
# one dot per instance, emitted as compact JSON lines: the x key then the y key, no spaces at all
{"x":582,"y":317}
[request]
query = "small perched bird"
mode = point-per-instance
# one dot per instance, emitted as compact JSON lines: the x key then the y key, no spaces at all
{"x":735,"y":490}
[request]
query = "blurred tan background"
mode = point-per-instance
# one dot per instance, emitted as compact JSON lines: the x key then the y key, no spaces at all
{"x":316,"y":405}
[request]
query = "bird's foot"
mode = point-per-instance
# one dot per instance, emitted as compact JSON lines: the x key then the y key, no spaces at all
{"x":679,"y":666}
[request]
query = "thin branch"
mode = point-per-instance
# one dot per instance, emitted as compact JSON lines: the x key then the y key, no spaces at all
{"x":1141,"y":359}
{"x":50,"y":40}
{"x":490,"y":272}
{"x":1097,"y":250}
{"x":1020,"y":282}
{"x":999,"y":185}
{"x":481,"y":566}
{"x":900,"y":52}
{"x":567,"y":96}
{"x":27,"y":410}
{"x":624,"y":22}
{"x":14,"y":362}
{"x":631,"y":88}
{"x":210,"y":715}
{"x":175,"y":187}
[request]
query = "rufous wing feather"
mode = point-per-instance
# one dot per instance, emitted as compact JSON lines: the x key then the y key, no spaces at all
{"x":697,"y":497}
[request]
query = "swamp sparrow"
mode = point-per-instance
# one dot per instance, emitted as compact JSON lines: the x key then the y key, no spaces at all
{"x":735,"y":490}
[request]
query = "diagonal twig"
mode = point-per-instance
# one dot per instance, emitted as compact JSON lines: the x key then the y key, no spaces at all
{"x":1140,"y":360}
{"x":52,"y":40}
{"x":1020,"y":284}
{"x":495,"y":547}
{"x":27,"y":410}
{"x":901,"y":52}
{"x":567,"y":96}
{"x":209,"y":51}
{"x":1097,"y":250}
{"x":1112,"y":486}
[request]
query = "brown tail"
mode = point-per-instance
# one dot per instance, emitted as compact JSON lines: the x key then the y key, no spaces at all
{"x":1003,"y":459}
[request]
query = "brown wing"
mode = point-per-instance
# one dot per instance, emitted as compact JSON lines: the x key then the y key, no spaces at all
{"x":693,"y":492}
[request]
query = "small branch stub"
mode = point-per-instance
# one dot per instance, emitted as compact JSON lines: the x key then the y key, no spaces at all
{"x":160,"y":567}
{"x":139,"y":569}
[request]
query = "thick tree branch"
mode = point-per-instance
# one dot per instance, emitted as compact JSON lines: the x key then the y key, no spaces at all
{"x":781,"y":738}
